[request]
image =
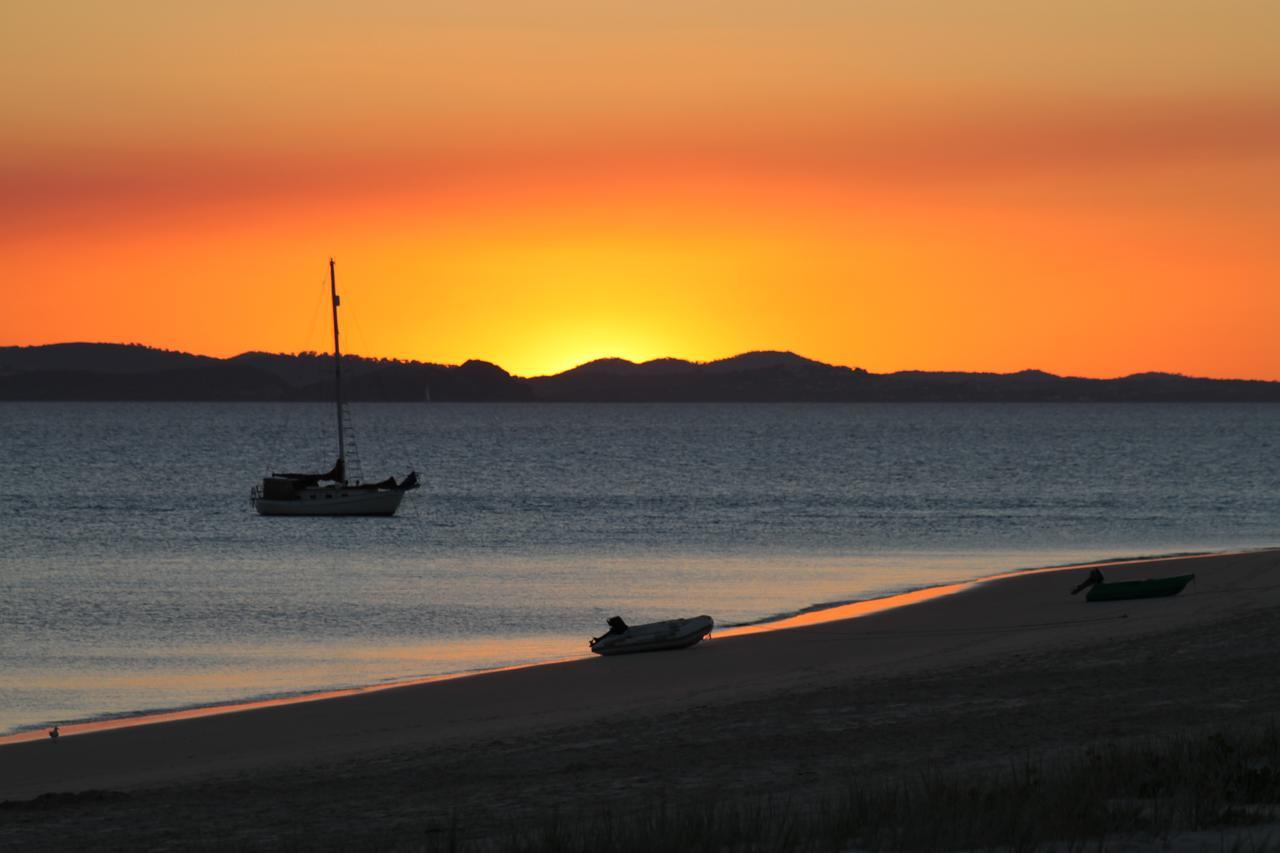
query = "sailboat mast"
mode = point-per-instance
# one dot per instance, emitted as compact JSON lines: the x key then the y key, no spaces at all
{"x":337,"y":368}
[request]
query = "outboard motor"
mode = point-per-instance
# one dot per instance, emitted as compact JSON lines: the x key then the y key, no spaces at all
{"x":1095,"y":577}
{"x":616,"y":627}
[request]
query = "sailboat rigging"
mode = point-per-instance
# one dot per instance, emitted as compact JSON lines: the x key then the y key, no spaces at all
{"x":331,"y":492}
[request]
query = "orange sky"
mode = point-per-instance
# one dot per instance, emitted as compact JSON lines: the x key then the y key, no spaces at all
{"x":1081,"y":186}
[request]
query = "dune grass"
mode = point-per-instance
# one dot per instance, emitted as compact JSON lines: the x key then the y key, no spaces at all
{"x":1088,"y":800}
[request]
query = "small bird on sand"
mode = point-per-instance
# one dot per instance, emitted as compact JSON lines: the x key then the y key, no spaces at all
{"x":53,"y":733}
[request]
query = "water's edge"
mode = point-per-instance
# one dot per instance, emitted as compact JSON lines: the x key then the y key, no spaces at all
{"x":812,"y":614}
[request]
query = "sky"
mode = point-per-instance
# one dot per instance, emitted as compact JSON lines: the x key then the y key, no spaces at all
{"x":1088,"y":187}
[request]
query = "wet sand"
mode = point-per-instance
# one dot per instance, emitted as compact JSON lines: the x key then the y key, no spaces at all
{"x":972,"y":676}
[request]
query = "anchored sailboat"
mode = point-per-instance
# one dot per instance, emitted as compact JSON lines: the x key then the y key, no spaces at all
{"x":331,"y":492}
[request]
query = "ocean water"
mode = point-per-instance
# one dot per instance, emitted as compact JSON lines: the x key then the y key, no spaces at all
{"x":134,"y":575}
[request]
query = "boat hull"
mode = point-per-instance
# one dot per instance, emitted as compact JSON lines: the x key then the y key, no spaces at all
{"x":334,"y":501}
{"x":1126,"y":590}
{"x":656,"y":637}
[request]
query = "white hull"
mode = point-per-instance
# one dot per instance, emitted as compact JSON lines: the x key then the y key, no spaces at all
{"x":334,"y":500}
{"x":656,"y":636}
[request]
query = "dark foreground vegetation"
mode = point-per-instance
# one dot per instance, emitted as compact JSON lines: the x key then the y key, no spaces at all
{"x":1103,"y":796}
{"x":1218,"y":790}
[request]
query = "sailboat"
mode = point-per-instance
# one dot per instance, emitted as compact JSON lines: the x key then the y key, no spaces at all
{"x":330,"y":492}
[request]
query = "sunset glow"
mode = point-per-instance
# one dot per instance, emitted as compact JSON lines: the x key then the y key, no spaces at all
{"x":983,"y":185}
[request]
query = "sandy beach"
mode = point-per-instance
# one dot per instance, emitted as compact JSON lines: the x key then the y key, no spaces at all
{"x":972,"y":677}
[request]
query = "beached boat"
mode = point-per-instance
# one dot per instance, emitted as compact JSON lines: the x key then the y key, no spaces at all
{"x":1100,"y":589}
{"x":331,"y":492}
{"x":656,"y":636}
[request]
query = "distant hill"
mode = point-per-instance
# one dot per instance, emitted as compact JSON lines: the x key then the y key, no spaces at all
{"x":755,"y":376}
{"x":130,"y":372}
{"x":787,"y":377}
{"x":98,"y":358}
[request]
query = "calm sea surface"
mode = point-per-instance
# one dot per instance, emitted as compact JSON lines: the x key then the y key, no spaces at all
{"x":134,"y":574}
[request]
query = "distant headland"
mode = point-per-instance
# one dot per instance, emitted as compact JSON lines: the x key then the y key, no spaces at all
{"x":130,"y":372}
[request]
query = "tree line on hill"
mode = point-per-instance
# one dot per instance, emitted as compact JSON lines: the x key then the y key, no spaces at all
{"x":129,"y":372}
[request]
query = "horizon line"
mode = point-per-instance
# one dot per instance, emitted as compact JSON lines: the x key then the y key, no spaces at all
{"x":689,"y":361}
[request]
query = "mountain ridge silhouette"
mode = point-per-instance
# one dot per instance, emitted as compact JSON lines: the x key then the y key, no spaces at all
{"x":88,"y":371}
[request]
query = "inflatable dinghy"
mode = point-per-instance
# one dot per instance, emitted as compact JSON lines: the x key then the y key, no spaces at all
{"x":656,"y":636}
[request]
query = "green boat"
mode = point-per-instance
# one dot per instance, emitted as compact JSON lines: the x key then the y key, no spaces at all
{"x":1102,"y":590}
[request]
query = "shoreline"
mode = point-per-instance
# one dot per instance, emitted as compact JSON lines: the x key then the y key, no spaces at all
{"x":1003,"y":677}
{"x":814,"y":615}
